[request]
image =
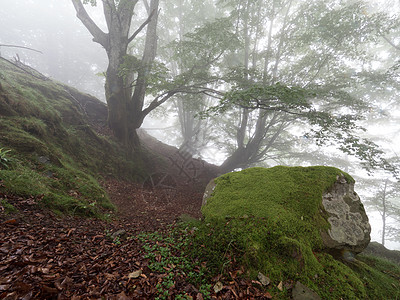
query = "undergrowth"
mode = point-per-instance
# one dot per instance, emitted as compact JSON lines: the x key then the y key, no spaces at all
{"x":167,"y":255}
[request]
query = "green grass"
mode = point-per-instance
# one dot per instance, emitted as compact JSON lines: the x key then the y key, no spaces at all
{"x":62,"y":189}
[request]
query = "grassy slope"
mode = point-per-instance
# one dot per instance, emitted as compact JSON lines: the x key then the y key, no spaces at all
{"x":55,"y":155}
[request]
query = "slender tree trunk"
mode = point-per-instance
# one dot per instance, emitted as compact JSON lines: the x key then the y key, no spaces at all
{"x":384,"y":213}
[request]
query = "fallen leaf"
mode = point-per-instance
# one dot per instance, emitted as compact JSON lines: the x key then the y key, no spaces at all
{"x":268,"y":295}
{"x":218,"y":287}
{"x":135,"y":274}
{"x":263,"y":279}
{"x":10,"y":222}
{"x":122,"y":296}
{"x":66,"y":282}
{"x":280,"y":286}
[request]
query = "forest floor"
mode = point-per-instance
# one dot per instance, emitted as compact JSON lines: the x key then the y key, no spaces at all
{"x":45,"y":256}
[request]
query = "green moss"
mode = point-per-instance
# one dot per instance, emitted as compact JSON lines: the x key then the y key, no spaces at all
{"x":269,"y":220}
{"x":228,"y":244}
{"x":8,"y":208}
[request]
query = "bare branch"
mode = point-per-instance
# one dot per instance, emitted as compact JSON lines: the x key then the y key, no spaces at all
{"x":108,"y":9}
{"x":141,"y":26}
{"x":98,"y":35}
{"x":41,"y":77}
{"x":15,"y":46}
{"x":162,"y":98}
{"x":157,"y":102}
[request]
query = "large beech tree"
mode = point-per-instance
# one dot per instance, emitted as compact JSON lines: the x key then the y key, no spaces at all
{"x":125,"y":91}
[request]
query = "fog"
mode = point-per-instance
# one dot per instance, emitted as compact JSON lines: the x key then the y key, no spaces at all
{"x":69,"y":55}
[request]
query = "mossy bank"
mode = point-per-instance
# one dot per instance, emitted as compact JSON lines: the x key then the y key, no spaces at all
{"x":53,"y":153}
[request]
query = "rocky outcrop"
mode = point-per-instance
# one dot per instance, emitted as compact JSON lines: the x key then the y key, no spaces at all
{"x":377,"y":249}
{"x":349,"y":226}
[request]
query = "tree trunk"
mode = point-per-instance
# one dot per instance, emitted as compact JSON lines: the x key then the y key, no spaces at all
{"x":117,"y":94}
{"x":384,"y":213}
{"x":125,"y":107}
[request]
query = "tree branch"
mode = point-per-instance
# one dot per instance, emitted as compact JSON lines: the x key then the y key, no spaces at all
{"x":98,"y":35}
{"x":141,"y":27}
{"x":391,"y":43}
{"x":147,"y":6}
{"x":108,"y":9}
{"x":157,"y":102}
{"x":15,"y":46}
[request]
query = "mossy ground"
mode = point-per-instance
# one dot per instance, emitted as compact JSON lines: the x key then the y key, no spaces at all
{"x":55,"y":155}
{"x":232,"y":244}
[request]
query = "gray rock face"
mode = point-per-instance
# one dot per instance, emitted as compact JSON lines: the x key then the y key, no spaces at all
{"x":350,"y":229}
{"x":301,"y":292}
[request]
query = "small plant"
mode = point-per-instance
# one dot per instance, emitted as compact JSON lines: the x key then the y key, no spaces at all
{"x":117,"y":240}
{"x":5,"y":160}
{"x":167,"y":256}
{"x":7,"y":207}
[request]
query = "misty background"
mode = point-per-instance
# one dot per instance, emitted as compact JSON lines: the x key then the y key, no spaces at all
{"x":69,"y":55}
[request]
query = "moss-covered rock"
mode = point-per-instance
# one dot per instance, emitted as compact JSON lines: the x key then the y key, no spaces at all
{"x":270,"y":221}
{"x":317,"y":204}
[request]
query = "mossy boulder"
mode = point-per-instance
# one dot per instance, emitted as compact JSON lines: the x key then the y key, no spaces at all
{"x":317,"y":205}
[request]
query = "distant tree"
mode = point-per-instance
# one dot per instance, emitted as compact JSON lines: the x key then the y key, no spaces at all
{"x":194,"y":131}
{"x":67,"y":54}
{"x":385,"y":199}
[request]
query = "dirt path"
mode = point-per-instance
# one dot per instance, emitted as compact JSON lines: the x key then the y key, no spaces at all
{"x":152,"y":209}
